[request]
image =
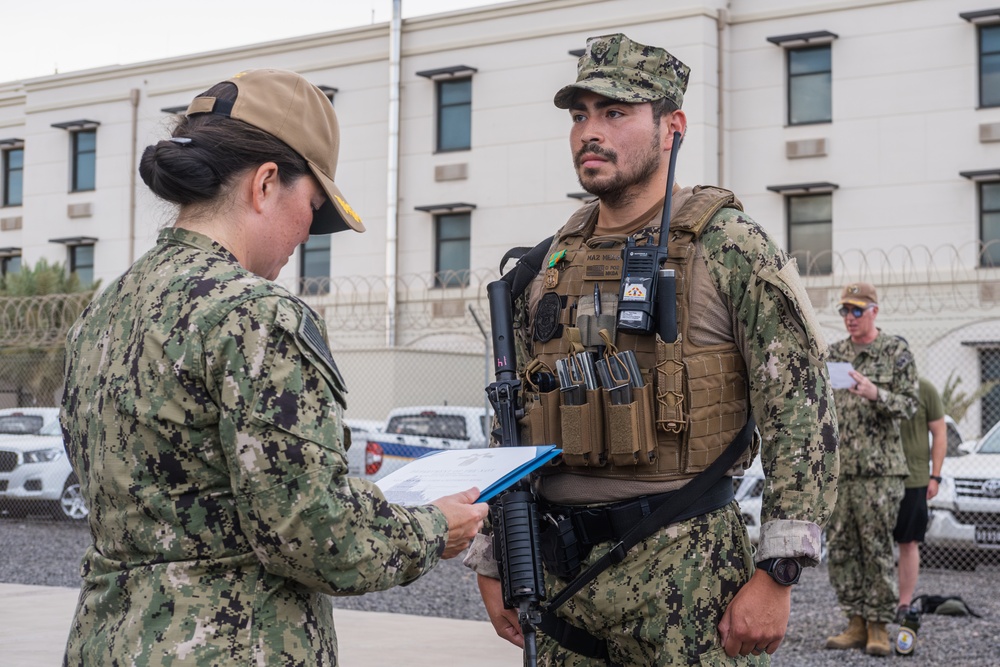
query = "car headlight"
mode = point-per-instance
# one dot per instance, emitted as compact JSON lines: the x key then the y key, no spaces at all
{"x":43,"y":455}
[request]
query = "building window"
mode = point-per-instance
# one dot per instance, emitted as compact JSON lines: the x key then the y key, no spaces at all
{"x":810,"y":233}
{"x":13,"y":177}
{"x":454,"y":118}
{"x":809,"y":85}
{"x":10,"y":264}
{"x":989,"y":223}
{"x":84,"y":159}
{"x":314,"y":269}
{"x":81,"y":262}
{"x":452,"y":241}
{"x":989,"y":65}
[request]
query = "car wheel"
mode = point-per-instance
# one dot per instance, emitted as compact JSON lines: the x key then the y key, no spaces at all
{"x":71,"y":505}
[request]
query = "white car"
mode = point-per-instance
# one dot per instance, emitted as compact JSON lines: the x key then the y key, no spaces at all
{"x":34,"y":467}
{"x":964,"y":526}
{"x":749,"y":494}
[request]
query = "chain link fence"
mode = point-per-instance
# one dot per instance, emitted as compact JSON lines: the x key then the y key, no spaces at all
{"x":434,"y":348}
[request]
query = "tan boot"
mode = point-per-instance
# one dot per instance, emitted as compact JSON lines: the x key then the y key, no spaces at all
{"x":855,"y":636}
{"x":878,"y":640}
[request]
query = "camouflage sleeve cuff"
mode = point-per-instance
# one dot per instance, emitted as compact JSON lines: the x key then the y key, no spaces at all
{"x":430,"y":525}
{"x":790,"y":539}
{"x":480,"y":559}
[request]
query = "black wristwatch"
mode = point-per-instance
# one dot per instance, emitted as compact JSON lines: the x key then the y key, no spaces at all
{"x":936,"y":478}
{"x":785,"y":571}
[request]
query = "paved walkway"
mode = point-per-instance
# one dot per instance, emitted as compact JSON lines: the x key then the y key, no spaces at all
{"x":34,"y":622}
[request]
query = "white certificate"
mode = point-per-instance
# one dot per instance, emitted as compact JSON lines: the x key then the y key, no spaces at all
{"x":840,"y":374}
{"x":449,"y":471}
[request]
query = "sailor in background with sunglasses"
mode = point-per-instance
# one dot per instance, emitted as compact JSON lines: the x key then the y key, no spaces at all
{"x":872,"y":470}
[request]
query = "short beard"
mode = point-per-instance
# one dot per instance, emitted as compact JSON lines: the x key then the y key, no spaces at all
{"x":624,"y":188}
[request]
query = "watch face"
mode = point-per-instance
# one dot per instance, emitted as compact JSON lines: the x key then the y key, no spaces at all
{"x":786,"y":571}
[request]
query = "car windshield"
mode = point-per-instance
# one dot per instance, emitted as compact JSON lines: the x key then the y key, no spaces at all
{"x":991,"y":443}
{"x":52,"y":428}
{"x":428,"y":424}
{"x":20,"y":424}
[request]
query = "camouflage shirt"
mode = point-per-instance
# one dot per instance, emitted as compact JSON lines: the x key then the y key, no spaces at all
{"x":203,"y":415}
{"x":870,"y":444}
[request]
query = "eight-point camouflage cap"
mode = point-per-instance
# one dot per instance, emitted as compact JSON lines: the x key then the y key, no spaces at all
{"x":614,"y":66}
{"x":285,"y":105}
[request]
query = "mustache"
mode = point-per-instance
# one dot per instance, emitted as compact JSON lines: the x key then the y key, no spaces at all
{"x":595,"y":149}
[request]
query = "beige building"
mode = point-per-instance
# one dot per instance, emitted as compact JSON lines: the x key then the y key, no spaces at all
{"x":864,"y":135}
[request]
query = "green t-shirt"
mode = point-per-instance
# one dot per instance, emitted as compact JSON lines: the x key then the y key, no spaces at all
{"x":916,"y":438}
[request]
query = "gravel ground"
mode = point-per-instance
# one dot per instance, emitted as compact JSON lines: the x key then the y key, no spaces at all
{"x":39,"y":551}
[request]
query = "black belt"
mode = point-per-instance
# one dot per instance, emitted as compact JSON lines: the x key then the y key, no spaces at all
{"x":594,"y":525}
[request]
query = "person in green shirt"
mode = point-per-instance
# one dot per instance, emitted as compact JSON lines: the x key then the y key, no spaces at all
{"x":925,"y":441}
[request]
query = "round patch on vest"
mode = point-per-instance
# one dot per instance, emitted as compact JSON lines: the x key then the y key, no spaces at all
{"x":547,"y":317}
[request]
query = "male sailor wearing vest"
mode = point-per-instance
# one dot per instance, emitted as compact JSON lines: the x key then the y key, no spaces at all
{"x":748,"y":347}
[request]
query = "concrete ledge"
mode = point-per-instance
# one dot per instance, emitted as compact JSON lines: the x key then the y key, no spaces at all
{"x":34,"y":623}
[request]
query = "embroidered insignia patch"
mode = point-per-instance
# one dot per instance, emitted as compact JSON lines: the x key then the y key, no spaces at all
{"x":313,"y":338}
{"x":347,"y":208}
{"x":551,"y":278}
{"x":547,"y":317}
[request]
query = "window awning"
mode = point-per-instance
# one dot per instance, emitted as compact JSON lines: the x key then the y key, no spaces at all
{"x":447,"y":72}
{"x":982,"y":16}
{"x":803,"y":188}
{"x":804,"y":38}
{"x":81,"y":124}
{"x":982,"y":175}
{"x":455,"y":207}
{"x":75,"y":240}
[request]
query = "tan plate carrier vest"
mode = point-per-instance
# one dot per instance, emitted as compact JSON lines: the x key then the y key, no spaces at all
{"x":694,"y":400}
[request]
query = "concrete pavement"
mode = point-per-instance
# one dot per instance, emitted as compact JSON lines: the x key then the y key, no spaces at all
{"x":34,"y":623}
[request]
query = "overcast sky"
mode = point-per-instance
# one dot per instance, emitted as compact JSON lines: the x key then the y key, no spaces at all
{"x":41,"y":37}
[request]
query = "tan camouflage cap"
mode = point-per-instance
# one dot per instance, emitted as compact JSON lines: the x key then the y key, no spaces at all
{"x":859,"y":294}
{"x":614,"y":66}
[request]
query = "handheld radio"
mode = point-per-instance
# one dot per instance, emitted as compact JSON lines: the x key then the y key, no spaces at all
{"x":647,"y":300}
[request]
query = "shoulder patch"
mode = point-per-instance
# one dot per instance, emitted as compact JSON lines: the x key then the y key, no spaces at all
{"x":310,"y":334}
{"x":547,"y":317}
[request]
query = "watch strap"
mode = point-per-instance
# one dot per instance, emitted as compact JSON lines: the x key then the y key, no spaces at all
{"x":770,"y":565}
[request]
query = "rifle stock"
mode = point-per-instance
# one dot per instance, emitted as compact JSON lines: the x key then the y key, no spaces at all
{"x":514,"y":513}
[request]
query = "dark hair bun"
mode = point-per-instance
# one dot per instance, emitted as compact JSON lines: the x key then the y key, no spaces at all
{"x":178,"y":172}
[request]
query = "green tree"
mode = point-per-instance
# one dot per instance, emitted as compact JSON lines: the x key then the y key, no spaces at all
{"x":37,"y":307}
{"x":957,"y":403}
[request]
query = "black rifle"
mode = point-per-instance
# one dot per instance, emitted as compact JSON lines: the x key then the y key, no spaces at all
{"x":514,"y":514}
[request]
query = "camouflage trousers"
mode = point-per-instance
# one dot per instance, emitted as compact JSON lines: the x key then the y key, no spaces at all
{"x":859,"y":541}
{"x":663,"y":603}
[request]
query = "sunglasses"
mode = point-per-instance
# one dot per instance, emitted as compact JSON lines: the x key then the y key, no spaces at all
{"x":856,"y":311}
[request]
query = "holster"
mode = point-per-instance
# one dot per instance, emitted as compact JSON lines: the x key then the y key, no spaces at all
{"x":562,"y":553}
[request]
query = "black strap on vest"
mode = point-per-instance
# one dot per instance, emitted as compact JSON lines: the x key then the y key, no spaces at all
{"x":588,"y":645}
{"x":529,"y":263}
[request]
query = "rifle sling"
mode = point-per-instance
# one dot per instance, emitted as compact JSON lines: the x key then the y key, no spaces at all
{"x":662,"y":516}
{"x":527,"y":267}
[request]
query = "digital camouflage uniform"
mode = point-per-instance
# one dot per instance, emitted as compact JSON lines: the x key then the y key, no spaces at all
{"x":872,"y":470}
{"x":203,"y":416}
{"x":662,"y":605}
